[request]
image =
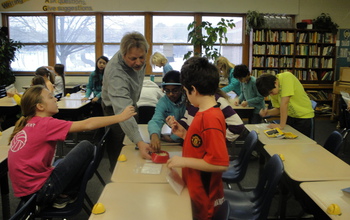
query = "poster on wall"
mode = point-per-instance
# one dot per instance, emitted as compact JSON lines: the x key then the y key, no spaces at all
{"x":343,"y":50}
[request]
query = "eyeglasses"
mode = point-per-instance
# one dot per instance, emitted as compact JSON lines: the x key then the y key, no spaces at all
{"x":174,"y":91}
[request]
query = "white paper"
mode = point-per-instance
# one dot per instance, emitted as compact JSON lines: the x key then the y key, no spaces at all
{"x":151,"y":168}
{"x":175,"y":181}
{"x":345,"y":96}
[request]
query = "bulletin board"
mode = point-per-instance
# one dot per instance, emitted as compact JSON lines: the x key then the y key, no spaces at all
{"x":343,"y":50}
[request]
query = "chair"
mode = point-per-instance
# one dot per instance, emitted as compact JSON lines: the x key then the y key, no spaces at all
{"x":75,"y":207}
{"x":256,"y":203}
{"x":25,"y":209}
{"x":333,"y":142}
{"x":145,"y":114}
{"x":223,"y":213}
{"x":238,"y":168}
{"x":100,"y":150}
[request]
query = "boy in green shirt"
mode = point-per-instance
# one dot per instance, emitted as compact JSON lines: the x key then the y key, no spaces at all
{"x":288,"y":99}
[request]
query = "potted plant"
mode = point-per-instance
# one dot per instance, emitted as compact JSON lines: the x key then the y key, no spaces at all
{"x":206,"y":35}
{"x":254,"y":20}
{"x":7,"y":55}
{"x":324,"y":22}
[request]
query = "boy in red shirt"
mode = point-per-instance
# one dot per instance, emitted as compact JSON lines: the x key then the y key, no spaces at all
{"x":204,"y":154}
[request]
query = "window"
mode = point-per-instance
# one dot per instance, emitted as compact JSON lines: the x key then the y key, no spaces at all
{"x":76,"y":40}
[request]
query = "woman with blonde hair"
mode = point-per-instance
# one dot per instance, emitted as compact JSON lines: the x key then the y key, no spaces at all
{"x":159,"y":60}
{"x":226,"y":68}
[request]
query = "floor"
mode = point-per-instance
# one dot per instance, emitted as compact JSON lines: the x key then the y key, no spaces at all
{"x":323,"y":128}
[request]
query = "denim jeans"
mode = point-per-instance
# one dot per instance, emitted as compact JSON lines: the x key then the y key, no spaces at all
{"x":67,"y":175}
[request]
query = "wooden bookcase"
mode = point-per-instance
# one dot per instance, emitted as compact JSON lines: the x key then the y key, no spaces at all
{"x":308,"y":54}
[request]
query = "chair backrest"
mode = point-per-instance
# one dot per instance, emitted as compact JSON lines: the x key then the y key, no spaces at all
{"x":73,"y":208}
{"x":100,"y":147}
{"x":145,"y":114}
{"x":25,"y":208}
{"x":249,"y":145}
{"x":223,"y":212}
{"x":236,"y":173}
{"x":312,"y":135}
{"x":333,"y":142}
{"x":267,"y":186}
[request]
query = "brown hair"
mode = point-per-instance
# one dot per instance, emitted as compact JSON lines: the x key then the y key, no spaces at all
{"x":225,"y":66}
{"x":30,"y":98}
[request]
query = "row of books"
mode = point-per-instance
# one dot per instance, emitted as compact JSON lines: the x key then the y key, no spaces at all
{"x":319,"y":95}
{"x":301,"y":50}
{"x":315,"y":37}
{"x":306,"y":75}
{"x":273,"y":36}
{"x":282,"y":62}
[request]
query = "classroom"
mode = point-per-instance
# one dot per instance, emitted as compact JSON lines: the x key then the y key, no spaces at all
{"x":85,"y":40}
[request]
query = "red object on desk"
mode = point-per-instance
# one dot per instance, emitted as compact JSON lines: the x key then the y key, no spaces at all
{"x":157,"y":158}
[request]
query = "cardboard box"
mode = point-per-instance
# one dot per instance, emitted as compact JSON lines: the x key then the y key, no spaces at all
{"x":344,"y":74}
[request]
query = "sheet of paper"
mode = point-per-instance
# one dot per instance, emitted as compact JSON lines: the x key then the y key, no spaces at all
{"x":175,"y":181}
{"x":151,"y":168}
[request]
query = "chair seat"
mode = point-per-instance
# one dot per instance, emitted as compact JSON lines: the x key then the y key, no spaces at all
{"x":240,"y":205}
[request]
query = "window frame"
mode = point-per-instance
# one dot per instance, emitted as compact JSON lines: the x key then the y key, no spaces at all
{"x":99,"y":44}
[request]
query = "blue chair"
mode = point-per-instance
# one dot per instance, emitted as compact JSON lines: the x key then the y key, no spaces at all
{"x":333,"y":142}
{"x":75,"y":207}
{"x":26,"y":208}
{"x":236,"y":172}
{"x":100,"y":150}
{"x":255,"y":204}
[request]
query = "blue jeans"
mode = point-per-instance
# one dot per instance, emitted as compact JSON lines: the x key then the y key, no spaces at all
{"x":67,"y":175}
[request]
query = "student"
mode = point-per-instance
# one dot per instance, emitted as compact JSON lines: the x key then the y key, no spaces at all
{"x":226,"y":68}
{"x":250,"y":95}
{"x":288,"y":99}
{"x":204,"y":155}
{"x":60,"y":83}
{"x":173,"y":103}
{"x":159,"y":60}
{"x":95,"y":86}
{"x":33,"y":144}
{"x":150,"y":94}
{"x":44,"y":72}
{"x":38,"y":80}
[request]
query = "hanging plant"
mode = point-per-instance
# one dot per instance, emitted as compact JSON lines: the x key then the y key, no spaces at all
{"x":324,"y":22}
{"x":254,"y":19}
{"x":206,"y":36}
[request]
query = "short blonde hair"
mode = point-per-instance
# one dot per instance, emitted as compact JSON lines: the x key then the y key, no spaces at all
{"x":158,"y":59}
{"x":225,"y":66}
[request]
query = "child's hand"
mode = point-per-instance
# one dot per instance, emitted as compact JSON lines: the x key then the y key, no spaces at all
{"x":263,"y":112}
{"x":128,"y":112}
{"x":95,"y":99}
{"x":176,"y":161}
{"x":176,"y":128}
{"x":236,"y":102}
{"x":155,"y":142}
{"x":244,"y":103}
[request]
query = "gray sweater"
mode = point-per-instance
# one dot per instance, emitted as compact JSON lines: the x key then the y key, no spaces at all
{"x":121,"y":87}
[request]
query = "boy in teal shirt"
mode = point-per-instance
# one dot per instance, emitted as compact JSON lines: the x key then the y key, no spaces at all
{"x":250,"y":95}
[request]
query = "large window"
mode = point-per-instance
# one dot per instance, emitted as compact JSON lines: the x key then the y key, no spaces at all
{"x":76,"y":40}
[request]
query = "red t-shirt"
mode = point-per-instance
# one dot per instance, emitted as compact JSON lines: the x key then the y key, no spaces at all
{"x":32,"y":151}
{"x":205,"y":139}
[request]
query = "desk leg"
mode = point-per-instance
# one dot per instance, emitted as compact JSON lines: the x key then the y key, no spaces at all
{"x":4,"y":185}
{"x":282,"y":207}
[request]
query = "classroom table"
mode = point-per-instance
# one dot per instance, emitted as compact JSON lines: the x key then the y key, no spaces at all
{"x":130,"y":170}
{"x":145,"y":135}
{"x":143,"y":201}
{"x":305,"y":163}
{"x":326,"y":193}
{"x":264,"y":139}
{"x":4,"y":184}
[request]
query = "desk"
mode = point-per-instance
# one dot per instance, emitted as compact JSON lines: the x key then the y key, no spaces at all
{"x":329,"y":192}
{"x":310,"y":162}
{"x":143,"y":201}
{"x":4,"y":184}
{"x":243,"y":112}
{"x":145,"y":135}
{"x":259,"y":128}
{"x":129,"y":171}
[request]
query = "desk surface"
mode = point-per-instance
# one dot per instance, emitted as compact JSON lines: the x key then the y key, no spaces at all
{"x":71,"y":103}
{"x":7,"y":102}
{"x":327,"y":193}
{"x":145,"y":135}
{"x":259,"y":128}
{"x":4,"y":138}
{"x":310,"y":162}
{"x":130,"y":170}
{"x":143,"y":201}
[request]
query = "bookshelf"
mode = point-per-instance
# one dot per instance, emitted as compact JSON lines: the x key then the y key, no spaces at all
{"x":308,"y":54}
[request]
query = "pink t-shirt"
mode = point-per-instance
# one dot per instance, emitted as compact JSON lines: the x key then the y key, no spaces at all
{"x":31,"y":153}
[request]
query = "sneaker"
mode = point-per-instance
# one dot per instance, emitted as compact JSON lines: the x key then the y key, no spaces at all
{"x":61,"y":202}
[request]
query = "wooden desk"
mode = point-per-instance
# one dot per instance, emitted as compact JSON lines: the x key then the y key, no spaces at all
{"x":7,"y":102}
{"x":310,"y":162}
{"x":329,"y":192}
{"x":243,"y":112}
{"x":130,"y":170}
{"x":4,"y":182}
{"x":259,"y":128}
{"x":143,"y":201}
